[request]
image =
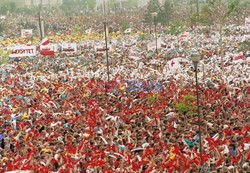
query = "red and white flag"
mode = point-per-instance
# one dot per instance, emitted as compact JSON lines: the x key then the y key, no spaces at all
{"x":48,"y":50}
{"x":45,"y":41}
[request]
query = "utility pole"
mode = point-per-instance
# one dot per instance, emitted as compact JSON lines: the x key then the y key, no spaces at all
{"x":106,"y":47}
{"x":39,"y":20}
{"x":104,"y":7}
{"x":40,"y":25}
{"x":106,"y":42}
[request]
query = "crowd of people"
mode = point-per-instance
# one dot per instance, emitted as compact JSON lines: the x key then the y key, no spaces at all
{"x":61,"y":114}
{"x":59,"y":24}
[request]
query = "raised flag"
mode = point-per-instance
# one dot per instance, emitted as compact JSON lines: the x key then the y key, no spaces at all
{"x":49,"y":50}
{"x":45,"y":41}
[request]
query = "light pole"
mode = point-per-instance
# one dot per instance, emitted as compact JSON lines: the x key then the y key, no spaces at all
{"x":40,"y":25}
{"x":154,"y":16}
{"x":106,"y":48}
{"x":106,"y":42}
{"x":104,"y":7}
{"x":196,"y":58}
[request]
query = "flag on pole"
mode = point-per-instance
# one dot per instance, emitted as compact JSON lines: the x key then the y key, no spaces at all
{"x":45,"y":41}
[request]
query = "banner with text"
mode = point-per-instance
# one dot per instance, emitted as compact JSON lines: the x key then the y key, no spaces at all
{"x":69,"y":48}
{"x":49,"y":50}
{"x":26,"y":33}
{"x":22,"y":51}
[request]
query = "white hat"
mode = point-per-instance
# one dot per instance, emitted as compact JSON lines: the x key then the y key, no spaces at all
{"x":225,"y":126}
{"x":245,"y":165}
{"x":209,"y":124}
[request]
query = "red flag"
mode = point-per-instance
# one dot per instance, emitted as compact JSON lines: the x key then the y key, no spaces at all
{"x":170,"y":128}
{"x":45,"y":41}
{"x":219,"y":162}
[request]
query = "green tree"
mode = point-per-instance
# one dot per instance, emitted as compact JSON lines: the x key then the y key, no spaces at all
{"x":91,"y":4}
{"x":1,"y":28}
{"x":186,"y":106}
{"x":66,"y":5}
{"x":111,"y":4}
{"x":69,"y":6}
{"x":221,"y":11}
{"x":132,"y":3}
{"x":194,"y":17}
{"x":10,"y":6}
{"x":153,"y":6}
{"x":206,"y":15}
{"x":165,"y":13}
{"x":176,"y":28}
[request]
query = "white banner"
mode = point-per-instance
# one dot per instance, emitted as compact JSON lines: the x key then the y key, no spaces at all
{"x":69,"y":48}
{"x":22,"y":51}
{"x":247,"y":22}
{"x":26,"y":33}
{"x":101,"y":47}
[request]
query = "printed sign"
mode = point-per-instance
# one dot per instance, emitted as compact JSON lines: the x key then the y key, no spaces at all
{"x":69,"y":48}
{"x":26,"y":33}
{"x":48,"y":50}
{"x":22,"y":51}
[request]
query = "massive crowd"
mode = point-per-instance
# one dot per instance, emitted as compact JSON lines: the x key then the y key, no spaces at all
{"x":60,"y":113}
